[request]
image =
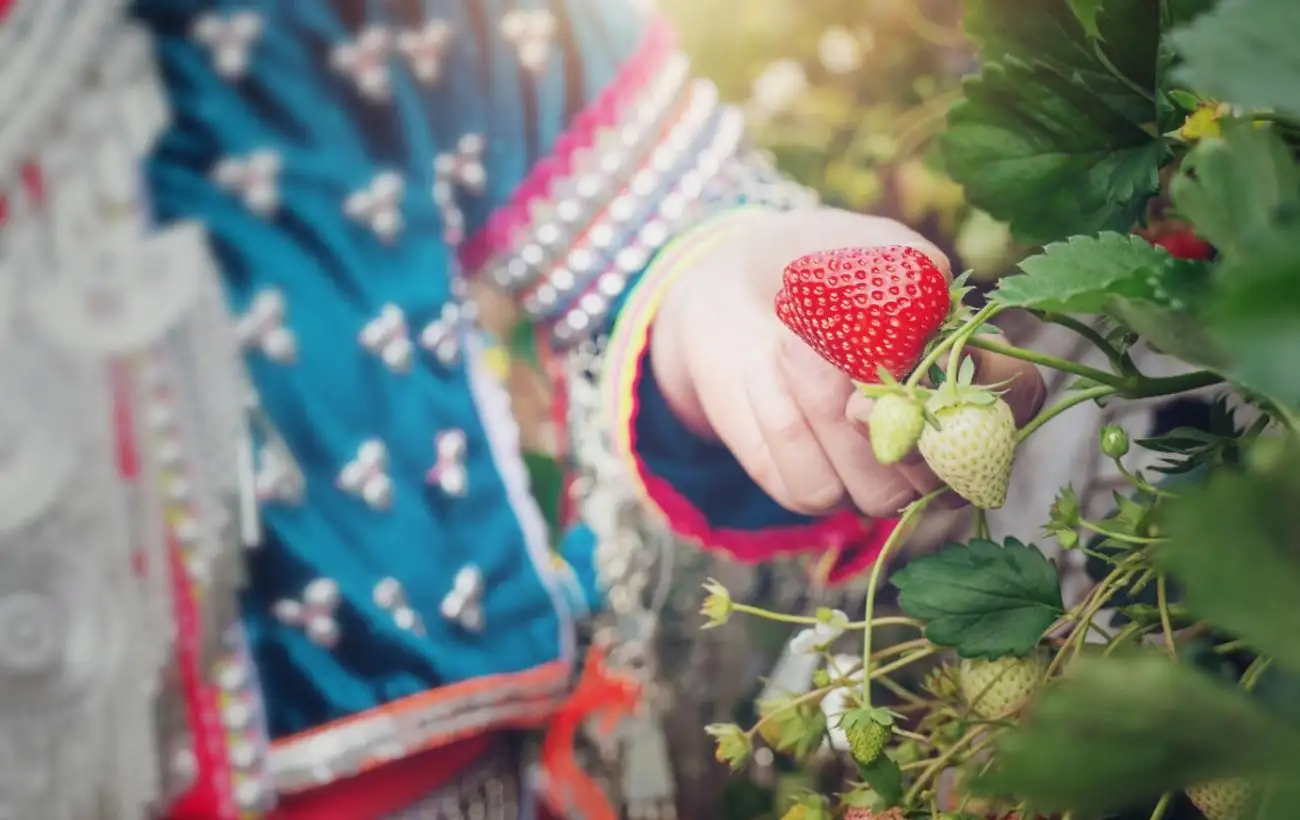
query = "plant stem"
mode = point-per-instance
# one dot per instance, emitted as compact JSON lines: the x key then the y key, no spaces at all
{"x":1166,"y":623}
{"x":918,"y":373}
{"x":1054,"y":362}
{"x":1086,"y":331}
{"x":1134,"y":386}
{"x":895,"y":539}
{"x":1144,"y":387}
{"x":939,"y":762}
{"x":1119,"y":536}
{"x":1163,"y":806}
{"x":794,"y":702}
{"x":1253,"y":672}
{"x":981,"y":523}
{"x":1081,"y":397}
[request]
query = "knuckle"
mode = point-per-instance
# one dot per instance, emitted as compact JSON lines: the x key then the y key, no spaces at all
{"x":817,"y":497}
{"x":884,"y":500}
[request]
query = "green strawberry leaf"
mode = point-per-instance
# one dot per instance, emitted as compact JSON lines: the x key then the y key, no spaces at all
{"x":1119,"y":730}
{"x":1257,"y":316}
{"x":1234,"y":546}
{"x":1233,"y":189}
{"x":1047,"y":156}
{"x":1057,"y":134}
{"x":983,"y":599}
{"x":1082,"y":274}
{"x":884,"y":777}
{"x":1244,"y":51}
{"x":1087,"y":11}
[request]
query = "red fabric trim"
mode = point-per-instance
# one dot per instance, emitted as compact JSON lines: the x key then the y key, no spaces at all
{"x":856,"y":540}
{"x":388,"y":789}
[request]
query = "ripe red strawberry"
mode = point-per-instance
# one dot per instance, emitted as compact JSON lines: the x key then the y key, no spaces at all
{"x":865,"y":308}
{"x":1184,"y":244}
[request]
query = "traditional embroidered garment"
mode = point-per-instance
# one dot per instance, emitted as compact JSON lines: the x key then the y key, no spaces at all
{"x":263,"y":514}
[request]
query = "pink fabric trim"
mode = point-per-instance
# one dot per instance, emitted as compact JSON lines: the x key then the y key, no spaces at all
{"x":512,"y":216}
{"x":855,"y":540}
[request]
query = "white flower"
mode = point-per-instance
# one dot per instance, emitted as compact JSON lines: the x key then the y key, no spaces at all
{"x":839,"y":50}
{"x":816,"y":638}
{"x":779,"y":85}
{"x":836,"y":701}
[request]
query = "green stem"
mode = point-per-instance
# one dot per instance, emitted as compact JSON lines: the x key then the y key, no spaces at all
{"x":1054,"y":362}
{"x":1086,"y":331}
{"x":1163,"y":806}
{"x":1119,"y":536}
{"x":1166,"y":623}
{"x":963,"y":336}
{"x":918,"y":373}
{"x":1081,"y":397}
{"x":1134,"y":386}
{"x":1143,"y":387}
{"x":891,"y":543}
{"x":981,"y":523}
{"x":1253,"y":672}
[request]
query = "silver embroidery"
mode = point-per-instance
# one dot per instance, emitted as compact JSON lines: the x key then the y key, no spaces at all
{"x":230,"y":38}
{"x":378,"y":206}
{"x":366,"y":476}
{"x":463,"y":604}
{"x":448,"y":472}
{"x":262,"y":328}
{"x":386,"y":336}
{"x":459,"y":170}
{"x":530,"y":31}
{"x":389,"y":596}
{"x":442,"y":336}
{"x":424,"y":49}
{"x":255,"y":179}
{"x":365,"y":61}
{"x":314,"y":614}
{"x":278,"y":478}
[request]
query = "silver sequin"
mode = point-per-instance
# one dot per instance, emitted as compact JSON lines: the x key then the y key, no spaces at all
{"x":366,"y":476}
{"x":262,"y":327}
{"x":314,"y":613}
{"x":230,"y":39}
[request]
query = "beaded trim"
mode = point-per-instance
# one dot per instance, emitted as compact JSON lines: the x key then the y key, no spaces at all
{"x":418,"y":723}
{"x":573,"y":200}
{"x":495,"y":240}
{"x":598,"y":238}
{"x":671,"y":214}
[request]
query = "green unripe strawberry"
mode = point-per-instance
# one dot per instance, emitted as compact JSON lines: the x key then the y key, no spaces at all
{"x":867,"y":740}
{"x":998,"y":687}
{"x":895,"y":425}
{"x":1226,"y":799}
{"x":972,"y":447}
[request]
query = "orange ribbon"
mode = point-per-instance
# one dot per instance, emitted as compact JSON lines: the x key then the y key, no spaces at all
{"x":601,"y":693}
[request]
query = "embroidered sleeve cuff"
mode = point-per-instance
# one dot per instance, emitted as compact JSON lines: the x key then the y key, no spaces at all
{"x":656,"y":152}
{"x":697,"y":487}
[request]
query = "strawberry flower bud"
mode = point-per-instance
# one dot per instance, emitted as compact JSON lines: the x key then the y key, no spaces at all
{"x":718,"y":605}
{"x":1114,"y":441}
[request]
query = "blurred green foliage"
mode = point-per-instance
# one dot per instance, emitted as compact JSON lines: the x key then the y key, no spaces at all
{"x":849,"y":95}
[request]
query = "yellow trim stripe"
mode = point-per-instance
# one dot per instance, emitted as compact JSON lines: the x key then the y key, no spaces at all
{"x":631,"y":333}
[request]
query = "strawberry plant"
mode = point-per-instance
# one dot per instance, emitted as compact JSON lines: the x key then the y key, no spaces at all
{"x":1148,"y":149}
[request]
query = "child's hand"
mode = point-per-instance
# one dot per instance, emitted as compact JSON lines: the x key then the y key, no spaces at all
{"x":733,"y":372}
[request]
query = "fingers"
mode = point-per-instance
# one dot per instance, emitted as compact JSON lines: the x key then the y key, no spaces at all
{"x":790,"y":463}
{"x":820,"y":393}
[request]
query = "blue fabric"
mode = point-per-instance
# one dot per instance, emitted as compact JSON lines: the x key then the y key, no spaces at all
{"x":704,"y":472}
{"x":336,"y":275}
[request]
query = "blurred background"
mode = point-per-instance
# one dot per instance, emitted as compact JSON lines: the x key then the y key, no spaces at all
{"x":848,"y":95}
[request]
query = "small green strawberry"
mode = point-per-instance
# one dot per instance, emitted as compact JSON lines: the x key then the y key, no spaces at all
{"x":970,"y":441}
{"x":1226,"y":799}
{"x":868,"y":732}
{"x":894,"y":425}
{"x":995,"y":688}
